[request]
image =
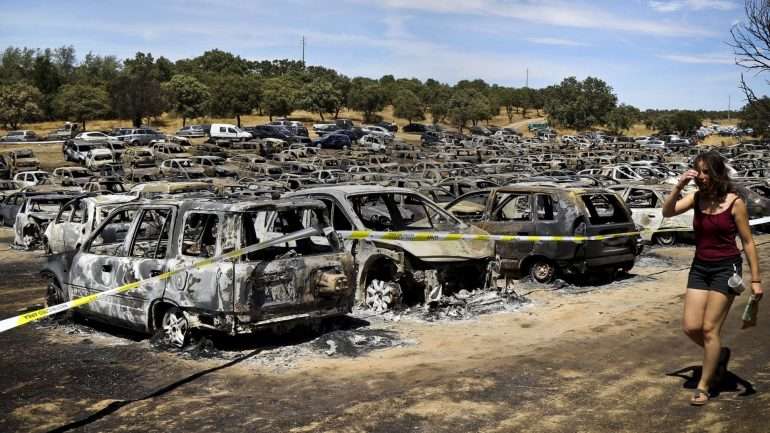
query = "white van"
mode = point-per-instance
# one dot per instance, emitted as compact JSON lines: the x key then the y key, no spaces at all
{"x":227,"y":131}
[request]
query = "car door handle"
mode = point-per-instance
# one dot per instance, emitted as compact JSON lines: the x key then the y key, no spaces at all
{"x":155,"y":272}
{"x":106,"y":268}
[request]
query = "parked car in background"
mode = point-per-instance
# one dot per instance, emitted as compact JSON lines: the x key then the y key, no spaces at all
{"x":92,"y":136}
{"x":31,"y":178}
{"x":415,"y":128}
{"x":162,"y":151}
{"x":20,"y":136}
{"x":377,"y":130}
{"x":21,"y":160}
{"x":191,"y":131}
{"x":229,"y":132}
{"x":139,"y":136}
{"x":77,"y":150}
{"x":67,"y":131}
{"x":98,"y":157}
{"x":70,"y":176}
{"x":333,"y":141}
{"x":138,"y":157}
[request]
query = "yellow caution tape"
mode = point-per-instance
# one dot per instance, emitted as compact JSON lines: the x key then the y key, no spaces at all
{"x":443,"y":236}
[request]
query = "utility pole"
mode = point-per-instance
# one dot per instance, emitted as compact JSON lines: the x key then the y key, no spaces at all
{"x":729,"y":103}
{"x":303,"y":51}
{"x":526,"y":83}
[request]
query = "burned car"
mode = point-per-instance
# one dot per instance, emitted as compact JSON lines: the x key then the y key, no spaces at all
{"x":76,"y":220}
{"x":300,"y":272}
{"x":646,"y":204}
{"x":550,"y":210}
{"x":392,"y":271}
{"x":33,"y":216}
{"x":21,"y":160}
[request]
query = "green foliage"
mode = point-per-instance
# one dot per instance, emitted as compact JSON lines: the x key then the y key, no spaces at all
{"x":468,"y":105}
{"x":187,"y":96}
{"x":677,"y":122}
{"x":136,"y":93}
{"x":18,"y":103}
{"x":16,"y":64}
{"x":407,"y":105}
{"x":622,"y":118}
{"x":321,"y":96}
{"x":756,"y":115}
{"x":280,"y":96}
{"x":235,"y":96}
{"x":579,"y":104}
{"x":367,"y":96}
{"x":81,"y":102}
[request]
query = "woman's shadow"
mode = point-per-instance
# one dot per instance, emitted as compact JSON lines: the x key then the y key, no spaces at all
{"x":729,"y":383}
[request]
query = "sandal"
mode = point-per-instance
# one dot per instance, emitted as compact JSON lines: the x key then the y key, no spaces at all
{"x":699,"y":398}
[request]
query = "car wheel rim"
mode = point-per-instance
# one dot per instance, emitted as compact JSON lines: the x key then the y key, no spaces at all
{"x":542,"y":271}
{"x":175,"y":327}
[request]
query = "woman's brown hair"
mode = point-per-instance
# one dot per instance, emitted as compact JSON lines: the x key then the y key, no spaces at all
{"x":719,"y":181}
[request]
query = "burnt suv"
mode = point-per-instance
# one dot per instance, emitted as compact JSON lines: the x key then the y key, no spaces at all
{"x":550,"y":210}
{"x":297,"y":277}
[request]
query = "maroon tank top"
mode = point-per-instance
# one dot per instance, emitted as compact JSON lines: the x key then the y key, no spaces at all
{"x":715,"y":234}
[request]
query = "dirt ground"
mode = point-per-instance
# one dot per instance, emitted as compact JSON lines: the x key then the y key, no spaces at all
{"x":608,"y":358}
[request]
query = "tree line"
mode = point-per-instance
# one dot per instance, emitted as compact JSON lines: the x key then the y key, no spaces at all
{"x":44,"y":84}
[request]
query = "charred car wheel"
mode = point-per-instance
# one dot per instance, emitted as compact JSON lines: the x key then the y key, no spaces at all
{"x":665,"y":239}
{"x":54,"y":293}
{"x":382,"y":295}
{"x":542,"y":271}
{"x":175,"y":326}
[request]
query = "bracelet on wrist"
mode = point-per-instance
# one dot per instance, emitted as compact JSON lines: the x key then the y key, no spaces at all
{"x":756,"y":281}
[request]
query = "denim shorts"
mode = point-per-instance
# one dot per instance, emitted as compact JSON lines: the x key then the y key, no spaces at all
{"x":714,"y":275}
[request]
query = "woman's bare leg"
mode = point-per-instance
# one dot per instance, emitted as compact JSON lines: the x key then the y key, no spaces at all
{"x":695,"y":301}
{"x":717,"y":308}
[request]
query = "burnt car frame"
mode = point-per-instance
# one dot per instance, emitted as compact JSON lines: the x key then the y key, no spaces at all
{"x":301,"y":279}
{"x":550,"y":210}
{"x":392,"y":271}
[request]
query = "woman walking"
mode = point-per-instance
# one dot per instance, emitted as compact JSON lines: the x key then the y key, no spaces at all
{"x":720,"y":216}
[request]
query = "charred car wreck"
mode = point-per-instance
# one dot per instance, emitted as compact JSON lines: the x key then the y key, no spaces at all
{"x":304,"y":278}
{"x":388,"y":272}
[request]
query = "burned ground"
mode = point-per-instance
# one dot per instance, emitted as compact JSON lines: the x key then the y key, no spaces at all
{"x":607,"y":358}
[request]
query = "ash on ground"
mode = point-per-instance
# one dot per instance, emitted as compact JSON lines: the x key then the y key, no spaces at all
{"x":463,"y":305}
{"x":650,"y":259}
{"x":282,"y":350}
{"x":336,"y":344}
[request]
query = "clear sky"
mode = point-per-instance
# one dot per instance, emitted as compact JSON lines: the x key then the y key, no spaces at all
{"x":655,"y":54}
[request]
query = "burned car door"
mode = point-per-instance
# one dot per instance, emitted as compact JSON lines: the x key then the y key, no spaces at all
{"x":287,"y":279}
{"x":109,"y":261}
{"x":99,"y":264}
{"x":204,"y":234}
{"x":607,"y":215}
{"x":510,"y":213}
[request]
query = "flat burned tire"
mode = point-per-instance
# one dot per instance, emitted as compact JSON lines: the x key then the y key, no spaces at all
{"x":175,"y":326}
{"x":542,"y":271}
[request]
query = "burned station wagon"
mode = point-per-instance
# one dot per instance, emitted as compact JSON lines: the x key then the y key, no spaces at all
{"x":303,"y":277}
{"x":550,"y":210}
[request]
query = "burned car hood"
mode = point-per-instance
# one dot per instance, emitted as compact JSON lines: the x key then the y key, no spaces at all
{"x":446,"y":251}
